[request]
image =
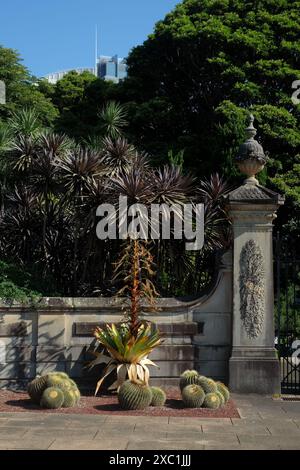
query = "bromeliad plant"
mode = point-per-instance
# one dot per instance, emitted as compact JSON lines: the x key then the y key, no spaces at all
{"x":128,"y":345}
{"x":127,"y":354}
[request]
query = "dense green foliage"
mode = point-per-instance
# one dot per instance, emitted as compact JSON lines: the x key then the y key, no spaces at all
{"x":189,"y":90}
{"x":79,"y":99}
{"x":22,"y":89}
{"x":206,"y":63}
{"x":17,"y":284}
{"x":50,"y":188}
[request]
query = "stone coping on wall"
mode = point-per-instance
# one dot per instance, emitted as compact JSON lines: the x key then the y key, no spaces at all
{"x":93,"y":303}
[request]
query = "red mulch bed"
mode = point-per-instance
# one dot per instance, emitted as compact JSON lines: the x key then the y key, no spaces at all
{"x":11,"y":401}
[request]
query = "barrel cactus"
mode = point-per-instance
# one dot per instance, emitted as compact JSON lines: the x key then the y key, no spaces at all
{"x":53,"y":380}
{"x":212,"y":401}
{"x":188,"y":377}
{"x":72,"y":382}
{"x":52,"y":397}
{"x":69,"y":399}
{"x":71,"y":385}
{"x":193,"y":396}
{"x":208,"y":385}
{"x":158,"y":397}
{"x":36,"y":387}
{"x":134,"y":396}
{"x":65,"y":384}
{"x":221,"y":398}
{"x":224,"y":390}
{"x":64,"y":375}
{"x":76,"y":394}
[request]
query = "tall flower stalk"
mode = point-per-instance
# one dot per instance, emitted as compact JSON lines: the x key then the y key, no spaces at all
{"x":136,"y":268}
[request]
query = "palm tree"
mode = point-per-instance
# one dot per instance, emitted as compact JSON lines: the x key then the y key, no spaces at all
{"x":25,"y":122}
{"x":113,"y":119}
{"x":78,"y":168}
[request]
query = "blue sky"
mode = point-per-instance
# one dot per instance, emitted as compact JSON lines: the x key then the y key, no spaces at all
{"x":53,"y":35}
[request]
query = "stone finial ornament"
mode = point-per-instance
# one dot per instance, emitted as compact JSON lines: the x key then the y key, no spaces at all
{"x":251,"y":158}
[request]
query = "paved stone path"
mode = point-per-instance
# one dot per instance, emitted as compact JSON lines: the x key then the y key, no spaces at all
{"x":264,"y":424}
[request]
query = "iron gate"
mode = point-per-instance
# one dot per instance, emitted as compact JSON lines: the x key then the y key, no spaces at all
{"x":287,"y":310}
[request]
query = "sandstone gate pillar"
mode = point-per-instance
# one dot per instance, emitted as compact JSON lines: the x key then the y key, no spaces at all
{"x":253,"y":366}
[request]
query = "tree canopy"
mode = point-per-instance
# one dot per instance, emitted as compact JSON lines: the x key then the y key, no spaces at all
{"x":22,"y":89}
{"x":205,"y":66}
{"x":79,"y":99}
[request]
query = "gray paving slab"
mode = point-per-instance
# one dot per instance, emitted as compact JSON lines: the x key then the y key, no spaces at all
{"x":252,"y":414}
{"x":85,"y":444}
{"x":177,"y":428}
{"x":218,"y":438}
{"x":254,"y":431}
{"x":24,"y":422}
{"x":293,"y":406}
{"x":63,"y":431}
{"x":154,"y":420}
{"x":283,"y":441}
{"x":277,"y":431}
{"x":256,"y":446}
{"x":113,"y":430}
{"x":17,"y":414}
{"x":80,"y":418}
{"x":12,"y":431}
{"x":199,"y":421}
{"x":25,"y":444}
{"x":162,"y":444}
{"x":235,"y":429}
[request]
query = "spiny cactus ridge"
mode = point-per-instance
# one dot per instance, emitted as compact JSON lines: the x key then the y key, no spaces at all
{"x":134,"y":396}
{"x":193,"y":396}
{"x":158,"y":397}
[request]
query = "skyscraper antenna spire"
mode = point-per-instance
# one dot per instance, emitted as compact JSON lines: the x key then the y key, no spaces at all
{"x":96,"y":49}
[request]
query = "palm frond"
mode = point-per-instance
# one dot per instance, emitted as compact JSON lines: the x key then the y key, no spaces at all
{"x":113,"y":119}
{"x":117,"y":154}
{"x":78,"y":167}
{"x":25,"y":122}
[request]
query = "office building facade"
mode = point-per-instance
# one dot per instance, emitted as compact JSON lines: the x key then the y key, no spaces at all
{"x":110,"y":68}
